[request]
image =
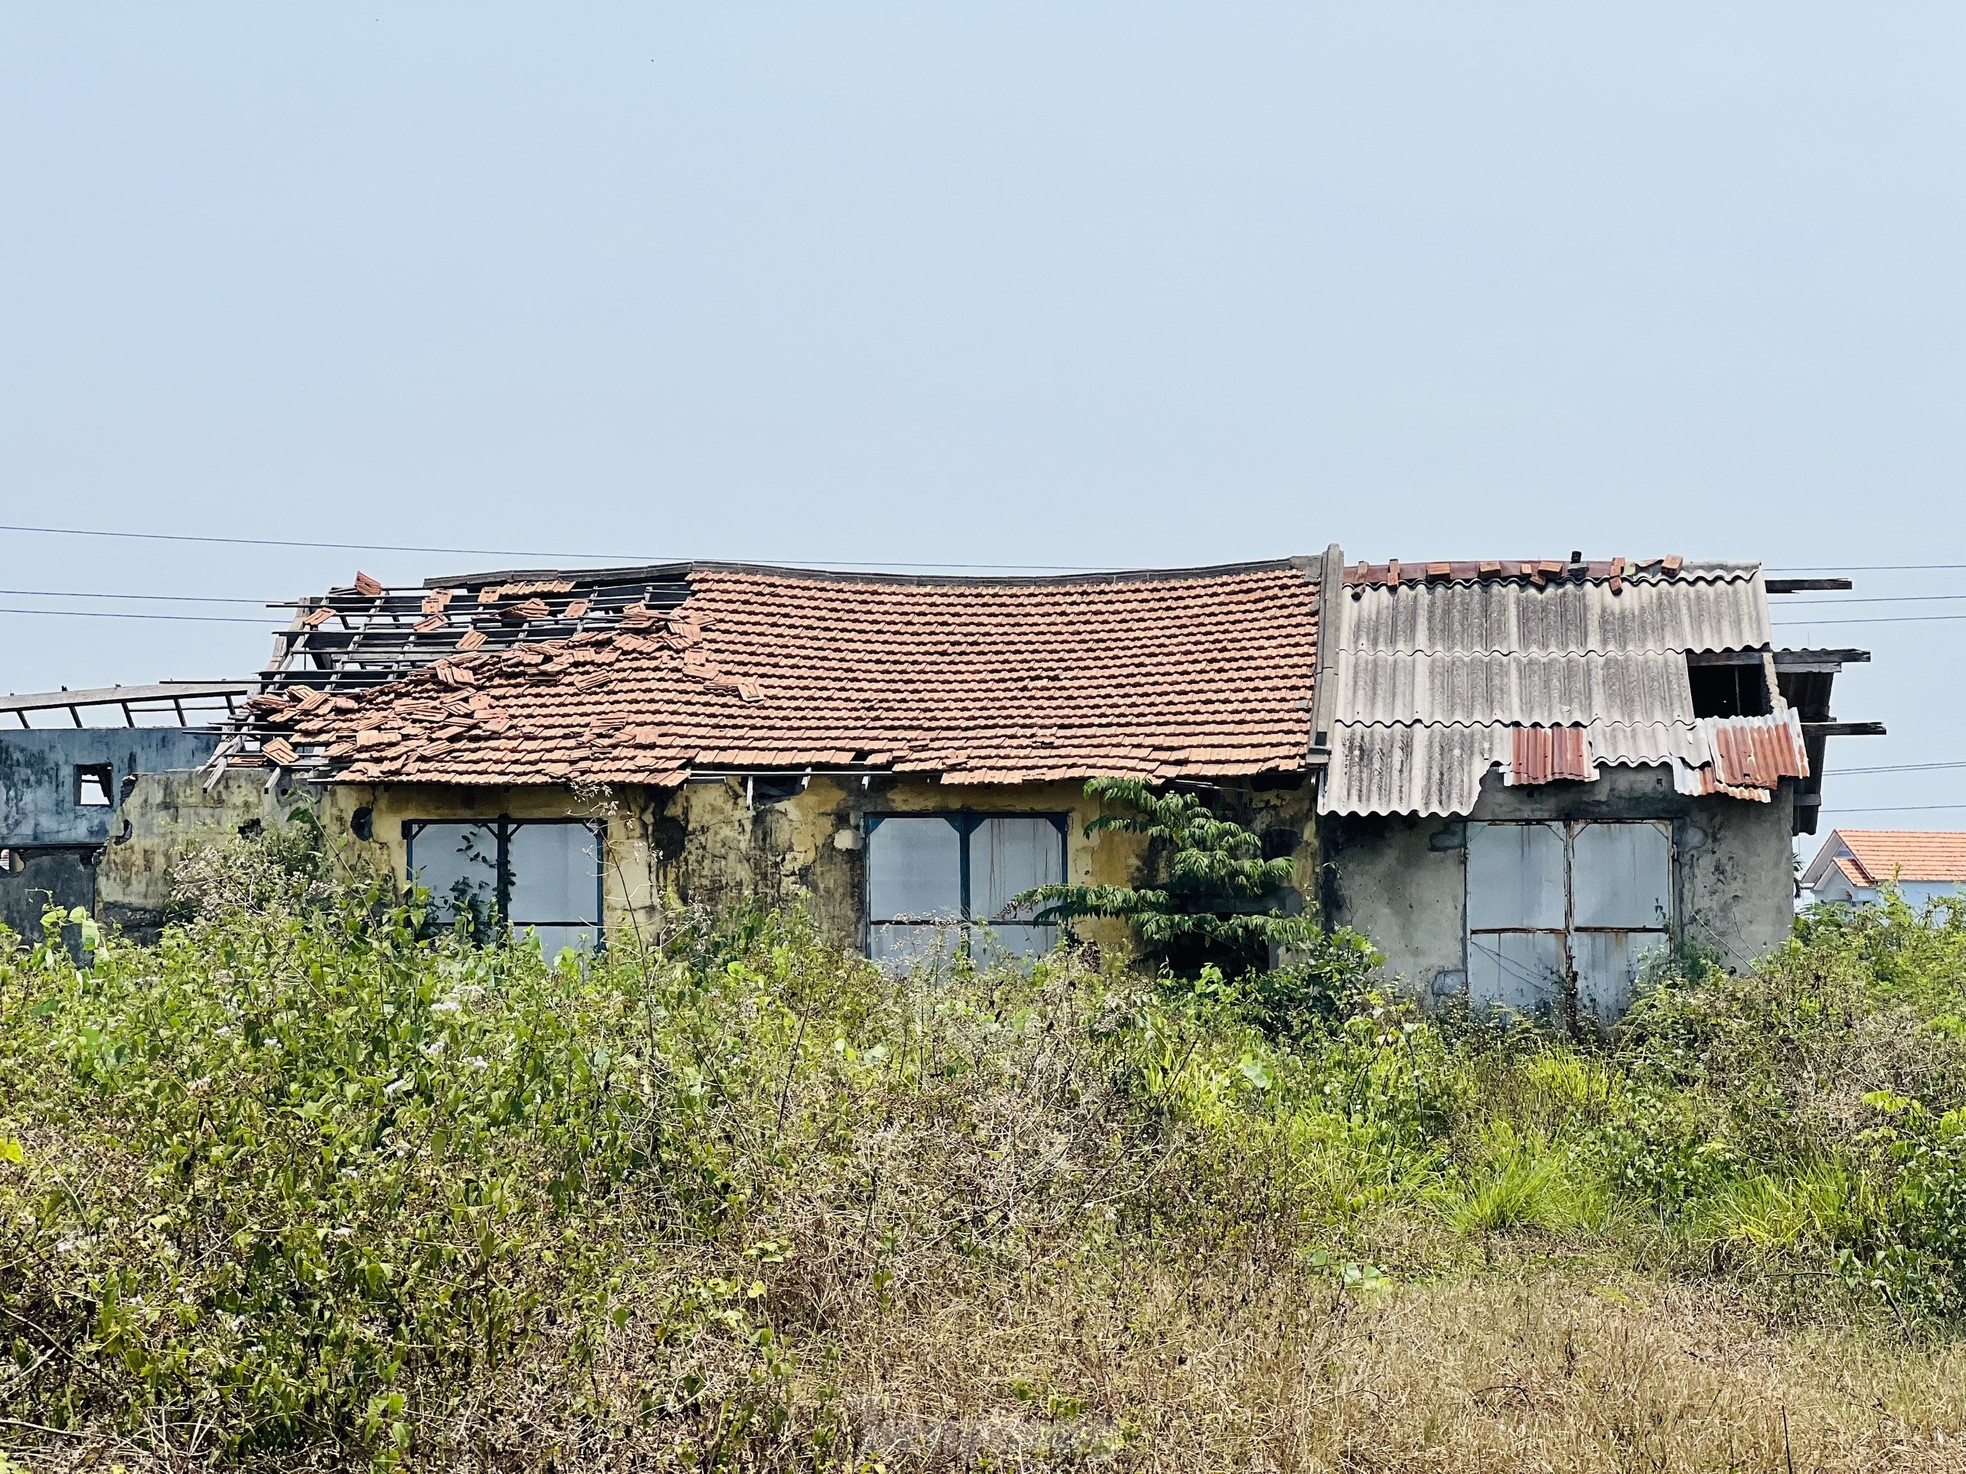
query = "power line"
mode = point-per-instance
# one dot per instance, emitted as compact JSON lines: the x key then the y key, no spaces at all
{"x":1872,"y":619}
{"x":1788,"y":603}
{"x":271,"y":619}
{"x":144,"y":598}
{"x":141,"y":614}
{"x":1893,"y":809}
{"x":1899,"y":768}
{"x":349,"y":547}
{"x":615,"y":557}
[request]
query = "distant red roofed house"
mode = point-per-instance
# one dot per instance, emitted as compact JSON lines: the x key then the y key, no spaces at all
{"x":1854,"y":864}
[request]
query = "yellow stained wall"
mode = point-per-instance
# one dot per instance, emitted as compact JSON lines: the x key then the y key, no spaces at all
{"x":703,"y":844}
{"x":706,"y":845}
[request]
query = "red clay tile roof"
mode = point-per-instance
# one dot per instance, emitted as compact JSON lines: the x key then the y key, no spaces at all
{"x":1149,"y":675}
{"x":1905,"y":854}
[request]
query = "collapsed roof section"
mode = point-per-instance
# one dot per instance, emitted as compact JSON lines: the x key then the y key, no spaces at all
{"x":365,"y":634}
{"x":651,"y":675}
{"x":1551,"y":671}
{"x":193,"y":704}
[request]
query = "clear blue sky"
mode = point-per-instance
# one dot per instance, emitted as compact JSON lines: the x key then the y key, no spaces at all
{"x":1057,"y":284}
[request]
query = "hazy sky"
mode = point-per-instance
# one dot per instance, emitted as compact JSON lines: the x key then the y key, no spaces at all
{"x":1069,"y":284}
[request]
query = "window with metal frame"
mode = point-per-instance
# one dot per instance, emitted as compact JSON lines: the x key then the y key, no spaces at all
{"x":542,"y":876}
{"x":1561,"y":915}
{"x":947,"y":881}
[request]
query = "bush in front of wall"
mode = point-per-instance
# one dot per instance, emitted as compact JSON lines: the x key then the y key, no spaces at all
{"x":311,"y":1188}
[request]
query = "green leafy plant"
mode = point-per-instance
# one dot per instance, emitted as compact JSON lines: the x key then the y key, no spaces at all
{"x":308,"y":1187}
{"x":1215,"y":901}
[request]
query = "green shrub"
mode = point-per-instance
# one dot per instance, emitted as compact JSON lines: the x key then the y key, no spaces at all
{"x":322,"y":1187}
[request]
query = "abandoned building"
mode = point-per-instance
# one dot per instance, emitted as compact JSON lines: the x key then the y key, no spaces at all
{"x":1538,"y":773}
{"x":66,"y":765}
{"x":1517,"y":778}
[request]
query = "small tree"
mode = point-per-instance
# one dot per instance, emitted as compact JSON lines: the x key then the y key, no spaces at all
{"x":1216,"y":901}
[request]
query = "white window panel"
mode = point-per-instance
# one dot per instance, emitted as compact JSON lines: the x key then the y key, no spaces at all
{"x":906,"y":945}
{"x":1008,"y":856}
{"x":1621,"y":876}
{"x":1608,"y":963}
{"x":989,"y":944}
{"x":583,"y":941}
{"x":458,"y":865}
{"x":1515,"y":876}
{"x":914,"y":870}
{"x":554,"y":874}
{"x":1521,"y":971}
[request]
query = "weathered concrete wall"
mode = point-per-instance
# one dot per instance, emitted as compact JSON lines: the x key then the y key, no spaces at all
{"x":809,"y":849}
{"x":58,"y":877}
{"x":167,"y":813}
{"x":37,"y":777}
{"x":1402,"y":881}
{"x":707,"y":844}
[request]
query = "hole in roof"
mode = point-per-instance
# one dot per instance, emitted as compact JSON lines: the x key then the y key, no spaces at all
{"x":1734,"y":684}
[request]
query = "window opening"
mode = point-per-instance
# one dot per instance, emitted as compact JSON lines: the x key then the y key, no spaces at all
{"x":943,"y":882}
{"x":1734,"y":684}
{"x":542,"y":877}
{"x":95,"y":786}
{"x":1562,"y":916}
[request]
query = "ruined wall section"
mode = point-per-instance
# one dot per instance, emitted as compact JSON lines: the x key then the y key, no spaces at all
{"x":711,"y":844}
{"x":162,"y":816}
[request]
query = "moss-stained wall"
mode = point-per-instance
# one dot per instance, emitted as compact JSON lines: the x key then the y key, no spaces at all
{"x":715,"y":844}
{"x":164,"y":815}
{"x":709,"y":843}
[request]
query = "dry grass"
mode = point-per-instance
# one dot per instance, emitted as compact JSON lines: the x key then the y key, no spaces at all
{"x":1541,"y":1371}
{"x":1544,"y":1372}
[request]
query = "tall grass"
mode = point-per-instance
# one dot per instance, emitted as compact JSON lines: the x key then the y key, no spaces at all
{"x":301,"y":1186}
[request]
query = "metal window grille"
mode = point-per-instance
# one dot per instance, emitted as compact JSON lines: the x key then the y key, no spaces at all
{"x":944,"y":882}
{"x":505,"y":875}
{"x":1562,"y":915}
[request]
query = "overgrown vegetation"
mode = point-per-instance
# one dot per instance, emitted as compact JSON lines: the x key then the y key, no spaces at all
{"x":300,"y":1186}
{"x":1215,"y":902}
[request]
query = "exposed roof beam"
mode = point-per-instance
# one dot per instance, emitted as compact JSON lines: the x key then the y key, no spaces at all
{"x":163,"y":691}
{"x":1843,"y":729}
{"x":1807,"y":585}
{"x":1723,"y":657}
{"x":1819,"y":662}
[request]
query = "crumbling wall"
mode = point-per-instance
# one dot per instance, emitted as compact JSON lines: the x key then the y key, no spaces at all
{"x":163,"y":815}
{"x":38,"y":785}
{"x":715,"y":843}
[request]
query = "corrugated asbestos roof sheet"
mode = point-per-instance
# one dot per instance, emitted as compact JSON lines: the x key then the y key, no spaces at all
{"x":1204,"y":673}
{"x":1710,"y":611}
{"x":1446,"y":671}
{"x":1454,"y":688}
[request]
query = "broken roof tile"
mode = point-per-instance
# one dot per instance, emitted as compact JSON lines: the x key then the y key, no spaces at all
{"x":1150,"y":675}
